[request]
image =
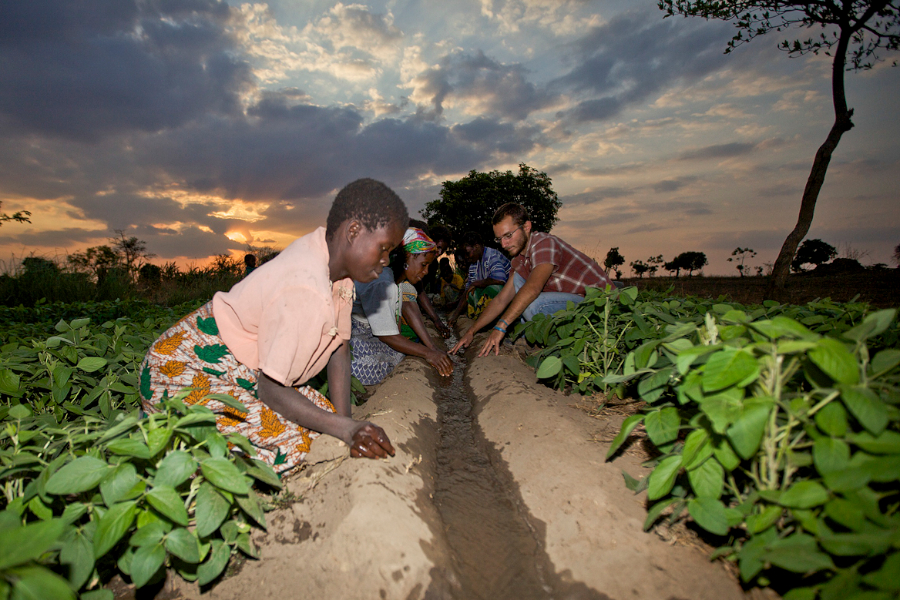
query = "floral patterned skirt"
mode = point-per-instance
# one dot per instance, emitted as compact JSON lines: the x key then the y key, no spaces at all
{"x":190,"y":355}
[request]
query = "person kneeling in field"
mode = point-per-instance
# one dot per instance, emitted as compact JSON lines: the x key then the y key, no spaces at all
{"x":279,"y":327}
{"x":387,"y":323}
{"x":488,"y":273}
{"x":547,"y":274}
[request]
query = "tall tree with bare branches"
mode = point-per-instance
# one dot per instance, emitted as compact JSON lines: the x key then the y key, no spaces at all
{"x":852,"y":32}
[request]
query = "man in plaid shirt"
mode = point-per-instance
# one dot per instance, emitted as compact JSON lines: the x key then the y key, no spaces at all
{"x":547,"y":273}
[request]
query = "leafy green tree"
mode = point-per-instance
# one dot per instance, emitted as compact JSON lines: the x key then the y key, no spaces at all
{"x":686,"y":261}
{"x":812,"y":252}
{"x":739,"y":255}
{"x":470,"y":203}
{"x":693,"y":261}
{"x":96,"y":260}
{"x":673,"y":266}
{"x":849,"y":31}
{"x":613,"y":261}
{"x":897,"y":255}
{"x":639,"y":267}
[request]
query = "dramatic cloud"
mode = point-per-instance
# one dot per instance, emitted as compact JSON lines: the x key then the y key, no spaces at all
{"x":633,"y":57}
{"x":87,"y":70}
{"x":487,"y":86}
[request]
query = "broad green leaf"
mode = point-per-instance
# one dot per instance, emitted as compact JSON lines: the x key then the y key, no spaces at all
{"x":886,"y":443}
{"x":883,"y":469}
{"x":709,"y":514}
{"x":158,"y":438}
{"x":697,"y":448}
{"x":78,"y":553}
{"x":725,"y":454}
{"x":9,"y":384}
{"x":19,"y":411}
{"x":116,"y":486}
{"x":832,"y":419}
{"x":196,"y":418}
{"x":846,"y":480}
{"x":175,"y":468}
{"x":112,"y":526}
{"x":857,"y":544}
{"x":886,"y":578}
{"x":784,"y":327}
{"x":874,"y":324}
{"x":830,"y":455}
{"x":627,"y":427}
{"x":129,"y":447}
{"x":663,"y":477}
{"x":764,"y":519}
{"x":549,"y":367}
{"x":868,"y":408}
{"x":708,"y":479}
{"x":231,"y":401}
{"x":729,"y":367}
{"x":215,"y":564}
{"x":687,"y":357}
{"x":146,"y":562}
{"x":168,"y":502}
{"x":29,"y":542}
{"x":149,"y":534}
{"x":118,"y":429}
{"x":846,"y":513}
{"x":39,"y":583}
{"x":662,"y":425}
{"x":263,"y":472}
{"x":746,"y":432}
{"x":222,"y":473}
{"x":250,"y":505}
{"x":885,"y":360}
{"x":656,"y":511}
{"x":836,"y":361}
{"x":722,"y":408}
{"x":650,"y":388}
{"x":245,"y":545}
{"x":797,"y":553}
{"x":804,"y":494}
{"x":211,"y":509}
{"x":183,"y":544}
{"x":80,"y":475}
{"x":645,"y":355}
{"x":89,"y":364}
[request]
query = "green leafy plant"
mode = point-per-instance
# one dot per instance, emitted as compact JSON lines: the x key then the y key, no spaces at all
{"x":777,"y":428}
{"x":97,"y":488}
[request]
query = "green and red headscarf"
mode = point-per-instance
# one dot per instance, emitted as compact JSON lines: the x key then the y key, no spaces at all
{"x":416,"y":241}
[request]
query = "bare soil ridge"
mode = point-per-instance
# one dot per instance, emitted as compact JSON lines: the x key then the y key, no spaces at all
{"x":370,"y":529}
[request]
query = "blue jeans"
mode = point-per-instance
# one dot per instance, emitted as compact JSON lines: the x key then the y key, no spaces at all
{"x":546,"y":303}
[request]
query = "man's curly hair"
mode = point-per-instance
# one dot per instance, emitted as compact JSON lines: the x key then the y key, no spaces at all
{"x":370,"y":201}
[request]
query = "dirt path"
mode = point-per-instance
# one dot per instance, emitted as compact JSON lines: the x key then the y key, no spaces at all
{"x":387,"y":529}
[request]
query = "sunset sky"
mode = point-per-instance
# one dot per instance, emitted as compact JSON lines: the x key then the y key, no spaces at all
{"x":200,"y":126}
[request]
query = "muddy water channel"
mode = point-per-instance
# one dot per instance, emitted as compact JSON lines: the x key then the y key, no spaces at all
{"x":497,"y":554}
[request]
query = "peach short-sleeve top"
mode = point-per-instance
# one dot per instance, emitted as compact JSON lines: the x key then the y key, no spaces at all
{"x":287,"y":317}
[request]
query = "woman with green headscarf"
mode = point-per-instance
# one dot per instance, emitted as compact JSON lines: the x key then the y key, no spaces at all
{"x":382,"y":307}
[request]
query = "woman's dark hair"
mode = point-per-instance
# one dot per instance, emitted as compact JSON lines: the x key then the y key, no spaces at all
{"x":518,"y":213}
{"x":370,"y":201}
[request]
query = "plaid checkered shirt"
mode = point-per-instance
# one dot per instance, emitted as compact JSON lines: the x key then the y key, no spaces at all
{"x":573,"y":270}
